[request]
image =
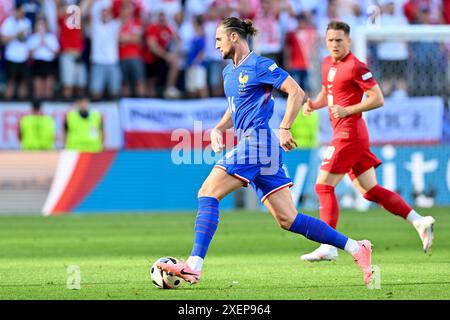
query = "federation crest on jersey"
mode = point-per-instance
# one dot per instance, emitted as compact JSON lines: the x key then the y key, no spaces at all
{"x":331,"y":74}
{"x":243,"y":79}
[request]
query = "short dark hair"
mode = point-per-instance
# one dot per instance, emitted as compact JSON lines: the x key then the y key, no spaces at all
{"x":36,"y":105}
{"x":339,"y":25}
{"x":243,"y":28}
{"x":81,"y":97}
{"x":199,"y":20}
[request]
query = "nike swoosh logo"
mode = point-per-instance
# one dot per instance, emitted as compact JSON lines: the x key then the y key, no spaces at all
{"x":325,"y":162}
{"x":187,"y":273}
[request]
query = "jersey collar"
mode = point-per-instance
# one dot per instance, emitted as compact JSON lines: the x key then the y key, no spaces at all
{"x":344,"y":58}
{"x":243,"y":60}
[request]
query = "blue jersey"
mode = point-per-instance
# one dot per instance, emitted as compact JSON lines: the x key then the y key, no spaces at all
{"x":248,"y":88}
{"x":256,"y":159}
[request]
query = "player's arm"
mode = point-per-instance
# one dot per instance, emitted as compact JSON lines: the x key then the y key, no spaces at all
{"x":321,"y":101}
{"x":293,"y":103}
{"x":6,"y":35}
{"x":85,"y":7}
{"x":218,"y":131}
{"x":374,"y":100}
{"x":160,"y":51}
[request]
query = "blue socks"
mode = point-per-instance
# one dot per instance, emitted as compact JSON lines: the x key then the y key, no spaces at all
{"x":317,"y":230}
{"x":208,"y":219}
{"x":205,"y":225}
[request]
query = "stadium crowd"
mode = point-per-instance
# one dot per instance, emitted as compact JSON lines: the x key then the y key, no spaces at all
{"x":58,"y":49}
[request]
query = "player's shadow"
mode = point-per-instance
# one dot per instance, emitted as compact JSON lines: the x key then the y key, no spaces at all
{"x":237,"y":287}
{"x":58,"y":284}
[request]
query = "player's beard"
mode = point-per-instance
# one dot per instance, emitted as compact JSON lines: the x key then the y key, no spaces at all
{"x":229,"y":54}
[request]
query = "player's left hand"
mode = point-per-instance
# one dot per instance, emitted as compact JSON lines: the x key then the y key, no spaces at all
{"x":339,"y":112}
{"x":287,"y":142}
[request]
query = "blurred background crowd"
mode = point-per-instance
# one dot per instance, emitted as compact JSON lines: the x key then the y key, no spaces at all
{"x":59,"y":49}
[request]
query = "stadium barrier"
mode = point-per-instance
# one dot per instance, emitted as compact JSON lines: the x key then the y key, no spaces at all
{"x":139,"y":181}
{"x":149,"y":123}
{"x":11,"y":112}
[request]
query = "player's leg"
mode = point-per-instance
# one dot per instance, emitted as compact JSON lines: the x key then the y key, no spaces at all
{"x":328,"y":204}
{"x":216,"y":186}
{"x":367,"y":184}
{"x":281,"y":206}
{"x":329,"y":213}
{"x":338,"y":159}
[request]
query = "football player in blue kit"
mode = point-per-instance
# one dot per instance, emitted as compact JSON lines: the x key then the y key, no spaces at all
{"x":256,"y":160}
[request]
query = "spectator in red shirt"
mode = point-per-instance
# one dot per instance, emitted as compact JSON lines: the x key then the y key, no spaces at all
{"x":446,"y":11}
{"x":131,"y":64}
{"x":422,"y":12}
{"x":138,"y":8}
{"x":297,"y":50}
{"x":162,"y":65}
{"x":73,"y":73}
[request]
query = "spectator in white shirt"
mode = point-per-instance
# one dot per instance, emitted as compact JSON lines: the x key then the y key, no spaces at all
{"x":268,"y":40}
{"x":393,"y":55}
{"x":14,"y":33}
{"x":43,"y":46}
{"x":105,"y":68}
{"x":170,"y":8}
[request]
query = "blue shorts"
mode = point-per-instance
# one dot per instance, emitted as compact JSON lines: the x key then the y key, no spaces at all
{"x":257,"y":164}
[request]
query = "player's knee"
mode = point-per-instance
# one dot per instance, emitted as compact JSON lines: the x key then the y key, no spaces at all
{"x":285,"y":221}
{"x":207,"y":190}
{"x":371,"y":195}
{"x":323,"y":188}
{"x":203,"y":191}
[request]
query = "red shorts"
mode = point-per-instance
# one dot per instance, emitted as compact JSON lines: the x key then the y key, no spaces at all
{"x":349,"y":156}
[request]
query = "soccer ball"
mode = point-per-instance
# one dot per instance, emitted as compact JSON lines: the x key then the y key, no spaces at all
{"x":163,"y":280}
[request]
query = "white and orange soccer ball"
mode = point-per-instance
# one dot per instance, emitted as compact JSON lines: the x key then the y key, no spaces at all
{"x":161,"y":279}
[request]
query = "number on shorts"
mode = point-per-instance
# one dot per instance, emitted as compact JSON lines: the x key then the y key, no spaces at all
{"x":329,"y":153}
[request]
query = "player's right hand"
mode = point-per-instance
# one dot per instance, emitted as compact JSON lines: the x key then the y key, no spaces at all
{"x":287,"y":142}
{"x":307,"y":108}
{"x":217,"y":140}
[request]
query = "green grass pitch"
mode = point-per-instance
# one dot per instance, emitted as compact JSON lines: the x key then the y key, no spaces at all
{"x":249,"y":258}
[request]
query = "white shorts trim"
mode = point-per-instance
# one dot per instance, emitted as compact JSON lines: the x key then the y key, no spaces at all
{"x":290,"y":184}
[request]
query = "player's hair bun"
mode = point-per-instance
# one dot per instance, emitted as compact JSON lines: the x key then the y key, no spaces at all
{"x":248,"y":27}
{"x":243,"y":27}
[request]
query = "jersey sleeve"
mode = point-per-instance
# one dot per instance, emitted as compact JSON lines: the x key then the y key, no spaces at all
{"x":268,"y":72}
{"x":362,"y":76}
{"x":322,"y":71}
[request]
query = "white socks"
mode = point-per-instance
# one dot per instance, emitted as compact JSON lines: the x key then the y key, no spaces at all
{"x":195,"y":263}
{"x":413,"y":217}
{"x":351,"y":246}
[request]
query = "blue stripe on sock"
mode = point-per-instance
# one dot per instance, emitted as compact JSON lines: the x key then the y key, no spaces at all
{"x":205,"y":225}
{"x":317,"y":230}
